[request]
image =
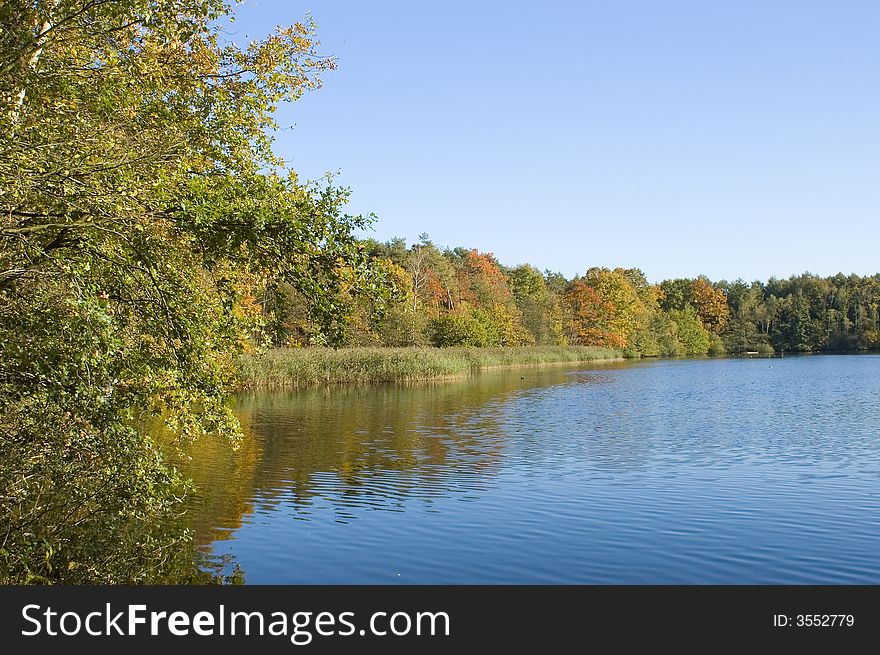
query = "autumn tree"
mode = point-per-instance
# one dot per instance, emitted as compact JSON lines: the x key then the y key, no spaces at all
{"x":710,"y":304}
{"x":483,"y":295}
{"x":481,"y":281}
{"x":142,"y":213}
{"x":604,"y":308}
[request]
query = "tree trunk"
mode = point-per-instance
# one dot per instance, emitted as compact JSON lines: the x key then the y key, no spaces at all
{"x":40,"y":38}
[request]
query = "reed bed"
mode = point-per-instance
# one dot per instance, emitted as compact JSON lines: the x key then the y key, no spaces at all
{"x":303,"y":367}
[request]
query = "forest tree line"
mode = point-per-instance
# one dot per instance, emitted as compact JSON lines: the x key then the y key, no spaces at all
{"x":463,"y":297}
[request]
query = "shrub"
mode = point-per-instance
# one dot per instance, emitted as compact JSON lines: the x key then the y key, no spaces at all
{"x":692,"y":337}
{"x":716,"y":346}
{"x":765,"y":350}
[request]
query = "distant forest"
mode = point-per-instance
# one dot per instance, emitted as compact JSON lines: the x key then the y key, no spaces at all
{"x":463,"y":297}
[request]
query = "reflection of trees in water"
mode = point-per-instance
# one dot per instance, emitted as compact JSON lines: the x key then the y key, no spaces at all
{"x":356,"y":446}
{"x":371,"y":446}
{"x":223,"y":475}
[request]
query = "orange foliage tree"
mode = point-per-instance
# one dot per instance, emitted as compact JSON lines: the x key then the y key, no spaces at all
{"x":481,"y":280}
{"x":604,"y":308}
{"x":711,"y":305}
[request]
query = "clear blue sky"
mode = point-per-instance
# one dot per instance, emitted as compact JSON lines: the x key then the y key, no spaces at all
{"x":733,"y":139}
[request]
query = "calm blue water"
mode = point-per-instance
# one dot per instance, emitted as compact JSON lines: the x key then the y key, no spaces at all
{"x":678,"y":471}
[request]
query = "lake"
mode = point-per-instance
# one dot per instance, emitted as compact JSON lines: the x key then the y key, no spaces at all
{"x":671,"y":471}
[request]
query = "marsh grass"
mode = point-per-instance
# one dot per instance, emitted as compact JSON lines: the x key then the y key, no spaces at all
{"x":301,"y":367}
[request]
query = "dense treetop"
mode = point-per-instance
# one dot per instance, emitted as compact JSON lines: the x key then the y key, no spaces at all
{"x":143,"y":215}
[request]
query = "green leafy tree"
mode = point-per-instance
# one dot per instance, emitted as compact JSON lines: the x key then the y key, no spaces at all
{"x":463,"y":328}
{"x":692,"y":337}
{"x":142,"y":213}
{"x":676,"y":294}
{"x":537,"y":304}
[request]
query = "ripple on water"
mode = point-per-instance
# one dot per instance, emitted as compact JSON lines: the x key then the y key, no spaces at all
{"x":700,"y":471}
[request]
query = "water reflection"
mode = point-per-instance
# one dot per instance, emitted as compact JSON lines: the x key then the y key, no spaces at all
{"x":671,"y":471}
{"x":437,"y":438}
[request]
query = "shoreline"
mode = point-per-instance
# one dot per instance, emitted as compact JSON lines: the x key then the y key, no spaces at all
{"x":291,"y":368}
{"x":296,"y":368}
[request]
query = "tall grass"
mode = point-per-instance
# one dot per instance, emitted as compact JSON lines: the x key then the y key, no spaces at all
{"x":300,"y":367}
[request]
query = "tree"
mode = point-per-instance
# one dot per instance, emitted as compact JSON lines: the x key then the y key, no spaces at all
{"x":142,"y":214}
{"x":538,"y":306}
{"x":605,"y":308}
{"x":710,"y":304}
{"x":463,"y":328}
{"x":481,"y":281}
{"x":746,"y":328}
{"x":693,"y":338}
{"x":676,"y":294}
